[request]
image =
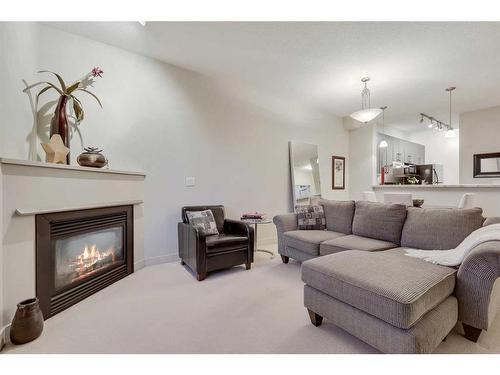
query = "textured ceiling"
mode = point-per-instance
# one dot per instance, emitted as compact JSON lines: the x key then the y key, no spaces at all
{"x":320,"y":64}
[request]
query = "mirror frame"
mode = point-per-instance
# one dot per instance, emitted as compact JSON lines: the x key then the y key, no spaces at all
{"x":477,"y":165}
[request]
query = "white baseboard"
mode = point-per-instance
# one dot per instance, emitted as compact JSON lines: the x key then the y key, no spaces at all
{"x":138,"y":265}
{"x":4,"y":336}
{"x":168,"y":258}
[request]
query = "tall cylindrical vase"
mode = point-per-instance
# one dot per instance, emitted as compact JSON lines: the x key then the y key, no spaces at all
{"x":27,"y":324}
{"x":59,"y":123}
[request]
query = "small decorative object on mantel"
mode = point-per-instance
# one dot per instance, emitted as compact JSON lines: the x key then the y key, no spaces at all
{"x":338,"y":173}
{"x":59,"y":122}
{"x":56,"y":150}
{"x":92,"y":157}
{"x":27,"y":324}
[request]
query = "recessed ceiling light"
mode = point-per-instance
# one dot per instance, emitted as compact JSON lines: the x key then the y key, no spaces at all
{"x":143,"y":23}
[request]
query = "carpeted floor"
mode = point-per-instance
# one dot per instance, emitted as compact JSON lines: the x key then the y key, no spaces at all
{"x":163,"y":309}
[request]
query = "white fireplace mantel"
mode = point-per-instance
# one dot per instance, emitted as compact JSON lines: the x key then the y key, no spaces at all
{"x":38,"y":164}
{"x":28,"y":188}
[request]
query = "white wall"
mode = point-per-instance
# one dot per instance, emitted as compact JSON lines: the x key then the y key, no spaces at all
{"x":479,"y":133}
{"x":171,"y":123}
{"x":362,"y":155}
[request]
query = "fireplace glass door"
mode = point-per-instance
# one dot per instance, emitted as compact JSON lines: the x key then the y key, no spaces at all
{"x":84,"y":255}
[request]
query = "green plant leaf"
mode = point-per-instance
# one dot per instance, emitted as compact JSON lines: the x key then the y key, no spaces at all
{"x":34,"y":85}
{"x":72,"y":88}
{"x":95,"y":97}
{"x":77,"y":107}
{"x":47,"y":83}
{"x":42,"y":91}
{"x":61,"y":81}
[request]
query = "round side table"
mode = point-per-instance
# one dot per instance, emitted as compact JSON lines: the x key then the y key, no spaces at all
{"x":255,"y":223}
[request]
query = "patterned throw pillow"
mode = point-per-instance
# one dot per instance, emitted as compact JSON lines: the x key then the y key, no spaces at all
{"x":204,"y":221}
{"x":310,"y":217}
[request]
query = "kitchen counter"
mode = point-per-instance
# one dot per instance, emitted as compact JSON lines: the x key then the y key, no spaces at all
{"x":487,"y":196}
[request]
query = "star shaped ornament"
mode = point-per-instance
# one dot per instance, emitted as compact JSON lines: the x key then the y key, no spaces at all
{"x":56,"y":150}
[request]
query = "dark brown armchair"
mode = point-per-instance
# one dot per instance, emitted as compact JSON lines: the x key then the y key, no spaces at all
{"x":234,"y":245}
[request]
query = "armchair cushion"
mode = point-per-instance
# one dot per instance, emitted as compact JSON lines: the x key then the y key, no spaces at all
{"x":204,"y":221}
{"x":225,"y":240}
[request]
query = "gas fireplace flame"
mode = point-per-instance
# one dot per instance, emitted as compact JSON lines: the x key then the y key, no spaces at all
{"x":91,"y":258}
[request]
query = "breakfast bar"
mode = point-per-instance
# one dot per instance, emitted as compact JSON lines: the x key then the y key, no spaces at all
{"x":487,"y":196}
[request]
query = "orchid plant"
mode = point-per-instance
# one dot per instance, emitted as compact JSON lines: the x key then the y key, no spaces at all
{"x":68,"y":91}
{"x":59,"y":122}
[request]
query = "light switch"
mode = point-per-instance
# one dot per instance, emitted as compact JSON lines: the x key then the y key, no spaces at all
{"x":190,"y":181}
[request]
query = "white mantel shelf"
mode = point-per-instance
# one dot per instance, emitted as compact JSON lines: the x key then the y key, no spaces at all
{"x":438,"y":186}
{"x":29,"y":163}
{"x":39,"y":211}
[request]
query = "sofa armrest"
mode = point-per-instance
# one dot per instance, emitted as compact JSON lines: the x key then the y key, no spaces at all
{"x":192,"y":247}
{"x":475,"y":280}
{"x":284,"y":223}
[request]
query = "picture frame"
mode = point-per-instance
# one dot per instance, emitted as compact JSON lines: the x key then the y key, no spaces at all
{"x":338,"y":173}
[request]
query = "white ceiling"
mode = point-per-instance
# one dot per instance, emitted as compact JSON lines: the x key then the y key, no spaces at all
{"x":320,"y":64}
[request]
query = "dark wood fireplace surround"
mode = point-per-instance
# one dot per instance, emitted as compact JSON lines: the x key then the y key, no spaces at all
{"x":53,"y":226}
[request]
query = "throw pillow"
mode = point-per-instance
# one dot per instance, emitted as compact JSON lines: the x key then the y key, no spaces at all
{"x":310,"y":217}
{"x":204,"y":221}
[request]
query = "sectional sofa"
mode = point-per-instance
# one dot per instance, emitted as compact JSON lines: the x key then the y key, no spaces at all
{"x":357,"y":275}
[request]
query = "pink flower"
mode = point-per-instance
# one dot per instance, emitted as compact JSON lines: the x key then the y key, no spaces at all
{"x":96,"y":72}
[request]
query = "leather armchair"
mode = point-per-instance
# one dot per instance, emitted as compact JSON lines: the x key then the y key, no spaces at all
{"x":234,"y":245}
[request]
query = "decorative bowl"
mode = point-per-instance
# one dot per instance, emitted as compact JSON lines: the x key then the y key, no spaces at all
{"x":92,"y":157}
{"x":418,"y":202}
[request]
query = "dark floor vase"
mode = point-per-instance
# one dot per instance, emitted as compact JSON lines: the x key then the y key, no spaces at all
{"x":28,"y":322}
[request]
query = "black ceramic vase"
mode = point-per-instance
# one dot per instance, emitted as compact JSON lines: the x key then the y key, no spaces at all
{"x":27,"y":324}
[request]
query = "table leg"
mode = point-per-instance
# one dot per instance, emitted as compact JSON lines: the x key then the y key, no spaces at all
{"x":255,"y":244}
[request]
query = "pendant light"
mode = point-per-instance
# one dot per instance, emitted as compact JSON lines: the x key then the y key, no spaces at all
{"x":450,"y":133}
{"x":366,"y":114}
{"x":383,"y":142}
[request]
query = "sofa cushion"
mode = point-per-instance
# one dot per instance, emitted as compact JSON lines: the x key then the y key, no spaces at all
{"x":338,"y":215}
{"x":308,"y":240}
{"x":353,"y":242}
{"x":378,"y":220}
{"x":310,"y":217}
{"x":439,"y":228}
{"x":387,"y":284}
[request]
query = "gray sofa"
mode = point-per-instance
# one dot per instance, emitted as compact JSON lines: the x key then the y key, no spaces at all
{"x":357,"y":275}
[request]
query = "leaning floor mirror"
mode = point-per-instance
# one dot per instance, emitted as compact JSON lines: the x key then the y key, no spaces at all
{"x":304,"y":168}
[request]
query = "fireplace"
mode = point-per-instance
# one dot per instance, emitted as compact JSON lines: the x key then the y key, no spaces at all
{"x":81,"y":252}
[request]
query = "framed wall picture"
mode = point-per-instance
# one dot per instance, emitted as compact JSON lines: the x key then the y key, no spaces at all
{"x":338,"y":173}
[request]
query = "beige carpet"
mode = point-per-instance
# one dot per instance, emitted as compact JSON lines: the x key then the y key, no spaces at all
{"x":163,"y":309}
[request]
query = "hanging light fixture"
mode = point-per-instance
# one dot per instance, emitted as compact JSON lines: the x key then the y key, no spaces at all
{"x":366,"y":114}
{"x":450,"y":133}
{"x":383,"y":142}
